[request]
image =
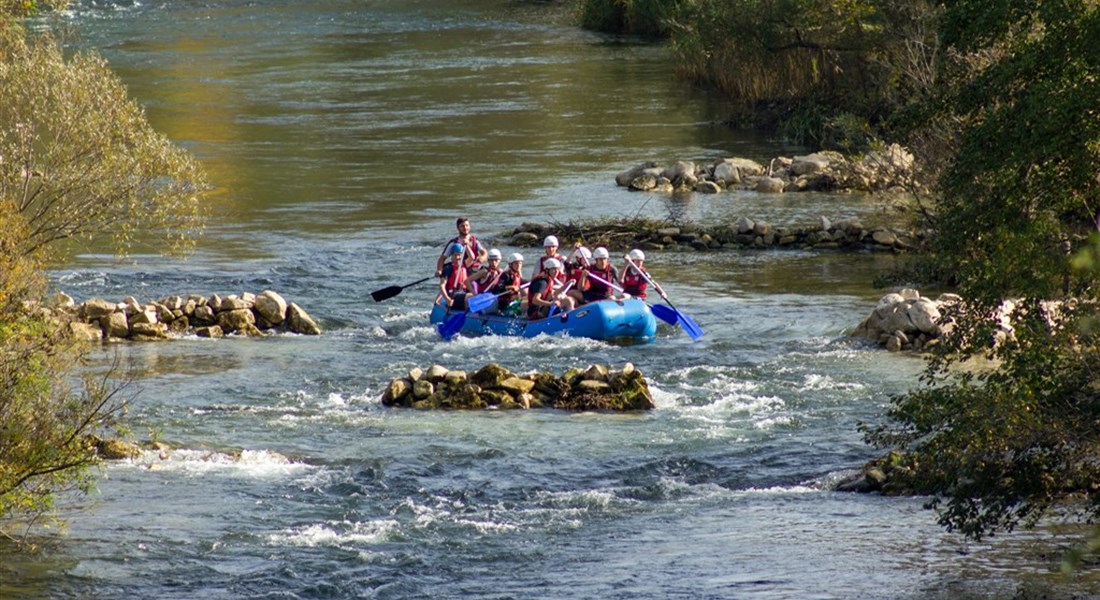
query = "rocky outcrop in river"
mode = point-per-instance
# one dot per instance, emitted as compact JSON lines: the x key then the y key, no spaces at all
{"x":905,"y":320}
{"x":745,"y":233}
{"x":882,"y":169}
{"x":204,"y":316}
{"x":596,"y":387}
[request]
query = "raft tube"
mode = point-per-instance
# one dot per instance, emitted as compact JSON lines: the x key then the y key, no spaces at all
{"x":623,"y":321}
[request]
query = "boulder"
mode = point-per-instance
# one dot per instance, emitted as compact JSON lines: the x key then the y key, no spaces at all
{"x":270,"y":306}
{"x":769,"y":185}
{"x":490,"y":376}
{"x":239,"y":319}
{"x":300,"y":321}
{"x":115,"y":325}
{"x":97,"y":308}
{"x":212,"y":331}
{"x":148,"y":331}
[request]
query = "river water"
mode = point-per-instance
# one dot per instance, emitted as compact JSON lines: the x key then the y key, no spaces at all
{"x":343,"y":138}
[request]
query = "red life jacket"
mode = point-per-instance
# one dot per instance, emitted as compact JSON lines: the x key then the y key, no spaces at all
{"x":599,"y":289}
{"x":473,"y":247}
{"x":489,"y":282}
{"x":456,"y":279}
{"x":509,"y":281}
{"x":575,"y":276}
{"x":533,"y":310}
{"x":544,"y":258}
{"x":634,"y":284}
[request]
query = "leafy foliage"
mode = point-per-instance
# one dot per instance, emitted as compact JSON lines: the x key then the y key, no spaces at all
{"x":78,"y":158}
{"x":1002,"y":442}
{"x":44,"y":423}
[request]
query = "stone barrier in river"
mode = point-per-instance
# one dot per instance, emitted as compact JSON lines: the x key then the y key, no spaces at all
{"x":173,"y":316}
{"x":905,"y":320}
{"x":889,"y":167}
{"x":649,"y":234}
{"x":596,"y":387}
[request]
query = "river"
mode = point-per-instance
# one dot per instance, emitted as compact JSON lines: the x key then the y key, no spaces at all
{"x":343,"y":138}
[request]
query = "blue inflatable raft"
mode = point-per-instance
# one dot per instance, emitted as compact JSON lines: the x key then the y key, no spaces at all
{"x":622,"y":321}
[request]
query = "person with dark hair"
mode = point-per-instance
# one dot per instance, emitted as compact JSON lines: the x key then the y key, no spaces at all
{"x":476,"y":253}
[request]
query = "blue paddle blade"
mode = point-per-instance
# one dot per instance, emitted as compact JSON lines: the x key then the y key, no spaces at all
{"x":664,"y":313}
{"x":453,"y":324}
{"x":689,"y":326}
{"x":481,"y":301}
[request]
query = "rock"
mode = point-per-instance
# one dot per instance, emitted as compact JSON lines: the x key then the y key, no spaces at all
{"x":422,"y":388}
{"x":114,"y":449}
{"x":131,"y":306}
{"x":727,"y":173}
{"x":235,"y":319}
{"x":925,"y":316}
{"x":436,"y":373}
{"x":490,"y":376}
{"x":213,"y":331}
{"x":203,"y":315}
{"x":214,"y":302}
{"x":115,"y":325}
{"x":86,"y":331}
{"x":524,"y":239}
{"x":625,"y":178}
{"x":707,"y":187}
{"x":61,"y":301}
{"x":643,"y":183}
{"x":745,"y":225}
{"x":148,"y":331}
{"x":596,"y":373}
{"x":805,"y":165}
{"x":517,"y":385}
{"x":769,"y":185}
{"x":145,"y":316}
{"x":884,"y":237}
{"x":233,"y":303}
{"x":97,"y":308}
{"x":415,"y":374}
{"x":456,"y":378}
{"x":300,"y":321}
{"x":270,"y":306}
{"x":396,"y":392}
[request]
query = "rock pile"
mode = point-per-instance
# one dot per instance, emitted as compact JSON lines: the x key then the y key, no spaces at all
{"x":822,"y":171}
{"x":596,"y":387}
{"x":848,"y":234}
{"x":907,"y":321}
{"x":213,"y":316}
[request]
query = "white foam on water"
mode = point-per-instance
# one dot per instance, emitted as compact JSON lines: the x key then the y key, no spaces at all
{"x":335,"y":534}
{"x":819,"y":382}
{"x":258,"y":464}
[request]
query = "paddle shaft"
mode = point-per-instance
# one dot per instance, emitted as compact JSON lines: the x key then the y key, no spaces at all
{"x":390,"y":291}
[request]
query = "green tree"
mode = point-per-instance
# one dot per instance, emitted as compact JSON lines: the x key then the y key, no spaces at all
{"x":1001,"y":443}
{"x":77,"y":160}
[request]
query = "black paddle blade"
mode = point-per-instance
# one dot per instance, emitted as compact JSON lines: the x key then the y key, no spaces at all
{"x":386,"y":293}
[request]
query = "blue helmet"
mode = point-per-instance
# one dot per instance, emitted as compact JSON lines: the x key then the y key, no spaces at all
{"x":457,"y":249}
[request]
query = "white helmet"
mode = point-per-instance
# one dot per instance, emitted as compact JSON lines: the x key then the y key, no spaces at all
{"x":601,"y":252}
{"x":550,"y":241}
{"x":585,"y":252}
{"x":494,"y":253}
{"x":553,"y":263}
{"x":515,"y":257}
{"x":636,"y":254}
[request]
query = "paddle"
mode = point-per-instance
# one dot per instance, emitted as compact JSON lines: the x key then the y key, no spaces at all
{"x":486,"y":299}
{"x":687,"y":323}
{"x":389,"y":292}
{"x":453,"y":324}
{"x":554,"y":308}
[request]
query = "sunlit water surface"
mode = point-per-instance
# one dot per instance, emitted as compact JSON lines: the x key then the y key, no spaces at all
{"x":343,"y":139}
